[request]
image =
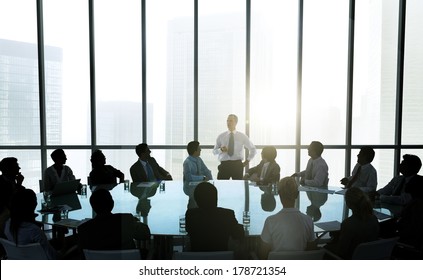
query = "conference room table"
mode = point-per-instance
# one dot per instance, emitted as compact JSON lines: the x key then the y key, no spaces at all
{"x":162,"y":205}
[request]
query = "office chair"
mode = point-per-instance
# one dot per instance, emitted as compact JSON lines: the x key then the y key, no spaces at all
{"x":215,"y":255}
{"x":32,"y":251}
{"x":297,"y":255}
{"x":380,"y":249}
{"x":129,"y":254}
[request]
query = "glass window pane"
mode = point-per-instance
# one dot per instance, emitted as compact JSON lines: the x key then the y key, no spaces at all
{"x":170,"y":64}
{"x":375,"y":62}
{"x":413,"y":73}
{"x":30,"y":164}
{"x":67,"y":71}
{"x":221,"y":66}
{"x":274,"y":28}
{"x":324,"y":71}
{"x":19,"y":92}
{"x":118,"y":71}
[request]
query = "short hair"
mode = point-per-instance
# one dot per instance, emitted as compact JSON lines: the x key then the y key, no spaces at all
{"x":7,"y":163}
{"x":192,"y":147}
{"x":234,"y":116}
{"x":269,"y":153}
{"x":413,"y":163}
{"x":205,"y":194}
{"x":56,"y":154}
{"x":368,"y":152}
{"x":317,"y":146}
{"x":97,"y":158}
{"x":288,"y":188}
{"x":101,"y":201}
{"x":141,"y":148}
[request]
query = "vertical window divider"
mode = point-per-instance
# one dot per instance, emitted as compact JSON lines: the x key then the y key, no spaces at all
{"x":195,"y":70}
{"x":299,"y":84}
{"x":399,"y":84}
{"x":92,"y":74}
{"x":41,"y":84}
{"x":144,"y":72}
{"x":247,"y":70}
{"x":350,"y":85}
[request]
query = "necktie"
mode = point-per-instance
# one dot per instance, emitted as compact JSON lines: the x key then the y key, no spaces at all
{"x":150,"y":174}
{"x":231,"y":144}
{"x":354,"y":178}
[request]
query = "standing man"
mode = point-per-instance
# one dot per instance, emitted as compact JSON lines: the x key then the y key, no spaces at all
{"x":229,"y":148}
{"x":146,"y":169}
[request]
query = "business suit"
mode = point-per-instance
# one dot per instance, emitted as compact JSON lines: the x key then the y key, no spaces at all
{"x":272,"y":173}
{"x":209,"y":229}
{"x":138,"y":173}
{"x":112,"y":232}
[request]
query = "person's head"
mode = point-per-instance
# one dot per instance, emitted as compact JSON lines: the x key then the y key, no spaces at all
{"x":9,"y":166}
{"x":58,"y":156}
{"x":269,"y":153}
{"x":366,"y":155}
{"x":194,"y":149}
{"x":231,"y":122}
{"x":358,"y":202}
{"x":23,"y":205}
{"x":410,"y":165}
{"x":205,"y":194}
{"x":98,"y":159}
{"x":315,"y":149}
{"x":143,"y":151}
{"x":288,"y":191}
{"x":102,"y":202}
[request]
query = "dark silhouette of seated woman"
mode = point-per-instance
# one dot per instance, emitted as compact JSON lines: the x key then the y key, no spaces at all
{"x":22,"y":228}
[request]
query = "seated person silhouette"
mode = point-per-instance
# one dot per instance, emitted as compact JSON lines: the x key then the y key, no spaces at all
{"x":22,"y":228}
{"x":108,"y":231}
{"x":194,"y":168}
{"x":102,"y":173}
{"x":209,"y":227}
{"x":10,"y":182}
{"x":267,"y":171}
{"x":267,"y":199}
{"x":362,"y":226}
{"x":364,"y":175}
{"x":146,"y":169}
{"x":58,"y":172}
{"x":316,"y":173}
{"x":395,"y":191}
{"x":289,"y":229}
{"x":317,"y":200}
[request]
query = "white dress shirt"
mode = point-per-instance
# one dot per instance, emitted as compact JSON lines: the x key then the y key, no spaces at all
{"x":240,"y":141}
{"x":367,"y":179}
{"x":316,"y":173}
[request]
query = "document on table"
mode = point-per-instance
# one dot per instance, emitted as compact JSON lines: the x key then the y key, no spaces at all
{"x":315,"y":189}
{"x":70,"y":223}
{"x":381,"y":216}
{"x":329,"y":226}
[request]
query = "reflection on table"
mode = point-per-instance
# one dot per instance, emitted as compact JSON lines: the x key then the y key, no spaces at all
{"x":160,"y":205}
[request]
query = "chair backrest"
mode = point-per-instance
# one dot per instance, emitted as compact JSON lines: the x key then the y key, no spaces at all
{"x":33,"y":251}
{"x":129,"y":254}
{"x":215,"y":255}
{"x":297,"y":255}
{"x":375,"y":250}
